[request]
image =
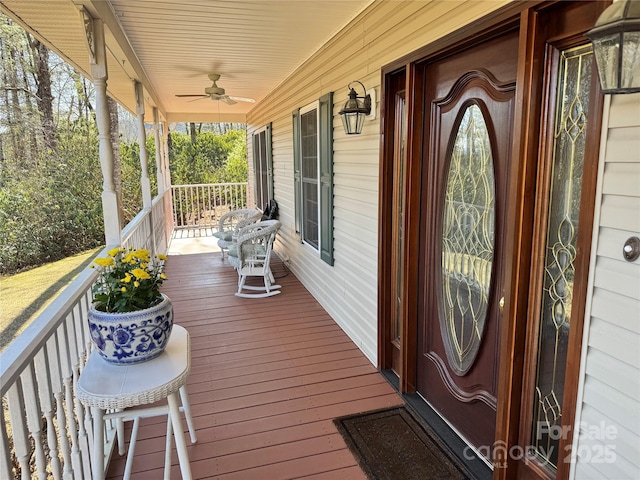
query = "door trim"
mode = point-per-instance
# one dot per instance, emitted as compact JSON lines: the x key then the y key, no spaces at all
{"x":519,"y":234}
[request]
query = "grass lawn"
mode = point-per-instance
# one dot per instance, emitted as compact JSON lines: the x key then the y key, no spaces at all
{"x":24,"y":295}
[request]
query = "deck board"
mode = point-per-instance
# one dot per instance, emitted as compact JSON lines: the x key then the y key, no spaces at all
{"x":267,"y":378}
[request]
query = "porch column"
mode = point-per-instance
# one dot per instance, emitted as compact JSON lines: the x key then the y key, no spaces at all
{"x":167,"y":171}
{"x":159,"y":152}
{"x":110,"y":208}
{"x":142,"y":141}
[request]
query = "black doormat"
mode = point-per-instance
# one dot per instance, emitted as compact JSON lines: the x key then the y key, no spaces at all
{"x":394,"y":444}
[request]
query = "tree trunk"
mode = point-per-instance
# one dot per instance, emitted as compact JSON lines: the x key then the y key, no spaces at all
{"x":14,"y":111}
{"x":192,"y":129}
{"x":115,"y":145}
{"x":3,"y":167}
{"x":31,"y":119}
{"x":43,"y":94}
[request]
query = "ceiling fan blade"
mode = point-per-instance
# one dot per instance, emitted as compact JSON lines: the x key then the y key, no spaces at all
{"x":242,"y":99}
{"x":195,"y":95}
{"x":227,"y":99}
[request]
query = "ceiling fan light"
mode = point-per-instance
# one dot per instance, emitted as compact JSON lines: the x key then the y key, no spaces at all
{"x":214,"y":90}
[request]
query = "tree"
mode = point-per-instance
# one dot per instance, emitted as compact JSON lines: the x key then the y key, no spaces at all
{"x":112,"y":105}
{"x":44,"y":97}
{"x":50,"y":176}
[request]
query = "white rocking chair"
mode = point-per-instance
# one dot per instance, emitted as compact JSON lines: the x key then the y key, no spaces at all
{"x":251,"y":255}
{"x":230,"y":224}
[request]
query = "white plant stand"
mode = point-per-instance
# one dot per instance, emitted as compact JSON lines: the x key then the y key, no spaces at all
{"x":119,"y":388}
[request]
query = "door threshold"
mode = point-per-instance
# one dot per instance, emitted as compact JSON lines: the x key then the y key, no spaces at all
{"x":466,"y":454}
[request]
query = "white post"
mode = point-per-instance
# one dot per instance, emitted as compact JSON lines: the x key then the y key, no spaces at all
{"x":159,"y":152}
{"x":142,"y":141}
{"x":110,"y":208}
{"x":167,"y":172}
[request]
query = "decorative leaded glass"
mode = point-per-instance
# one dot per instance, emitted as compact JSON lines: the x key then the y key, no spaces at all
{"x":468,"y":226}
{"x":572,"y":103}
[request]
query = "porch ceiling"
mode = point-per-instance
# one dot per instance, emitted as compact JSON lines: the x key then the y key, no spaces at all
{"x":171,"y":45}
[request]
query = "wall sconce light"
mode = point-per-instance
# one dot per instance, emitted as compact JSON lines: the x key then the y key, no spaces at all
{"x":355,"y":110}
{"x":616,"y":45}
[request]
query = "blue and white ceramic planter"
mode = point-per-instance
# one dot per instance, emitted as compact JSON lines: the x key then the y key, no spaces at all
{"x":132,"y":337}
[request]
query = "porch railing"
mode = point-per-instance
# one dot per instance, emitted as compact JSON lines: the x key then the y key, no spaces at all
{"x":202,"y":205}
{"x":45,"y":432}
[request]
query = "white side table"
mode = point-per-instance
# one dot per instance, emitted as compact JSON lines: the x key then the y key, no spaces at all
{"x":104,"y":386}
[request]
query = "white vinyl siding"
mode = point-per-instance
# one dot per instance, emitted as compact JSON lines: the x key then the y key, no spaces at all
{"x":387,"y":30}
{"x":610,"y":370}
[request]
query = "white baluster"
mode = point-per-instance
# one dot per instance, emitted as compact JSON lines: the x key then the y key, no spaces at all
{"x":19,"y":429}
{"x":66,"y":362}
{"x":34,"y":419}
{"x":5,"y":462}
{"x":85,"y":341}
{"x":83,"y":327}
{"x":55,"y":356}
{"x":46,"y":405}
{"x":77,"y":360}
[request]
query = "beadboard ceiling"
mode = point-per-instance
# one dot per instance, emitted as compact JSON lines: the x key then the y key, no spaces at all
{"x":254,"y":45}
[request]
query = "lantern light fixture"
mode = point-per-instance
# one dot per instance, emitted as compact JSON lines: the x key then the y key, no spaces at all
{"x":616,"y":46}
{"x":355,"y":110}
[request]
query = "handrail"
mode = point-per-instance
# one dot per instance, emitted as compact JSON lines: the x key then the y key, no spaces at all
{"x":40,"y":368}
{"x":201,"y":205}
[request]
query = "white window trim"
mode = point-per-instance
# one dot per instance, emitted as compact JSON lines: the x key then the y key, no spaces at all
{"x":306,"y":109}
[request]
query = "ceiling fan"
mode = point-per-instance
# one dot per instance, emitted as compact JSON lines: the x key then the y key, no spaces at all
{"x":214,"y":92}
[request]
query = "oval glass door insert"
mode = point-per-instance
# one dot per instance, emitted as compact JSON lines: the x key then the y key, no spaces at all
{"x":468,"y":227}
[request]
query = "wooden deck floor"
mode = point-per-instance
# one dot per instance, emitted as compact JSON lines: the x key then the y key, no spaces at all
{"x":267,"y":378}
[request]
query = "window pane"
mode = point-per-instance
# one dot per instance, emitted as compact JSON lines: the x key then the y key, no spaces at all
{"x":572,"y":105}
{"x":264,"y":187}
{"x":257,"y":167}
{"x":309,"y":138}
{"x":309,"y":167}
{"x":310,"y":213}
{"x":468,"y":226}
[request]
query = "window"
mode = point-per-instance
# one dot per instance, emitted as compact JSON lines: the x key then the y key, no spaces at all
{"x":313,"y":175}
{"x":309,"y":168}
{"x":263,"y":166}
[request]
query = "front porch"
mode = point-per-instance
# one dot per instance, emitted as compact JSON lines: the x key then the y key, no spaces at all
{"x":267,"y":378}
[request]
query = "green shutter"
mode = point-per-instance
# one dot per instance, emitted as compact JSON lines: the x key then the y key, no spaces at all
{"x":269,"y":161}
{"x":326,"y":177}
{"x":297,"y":178}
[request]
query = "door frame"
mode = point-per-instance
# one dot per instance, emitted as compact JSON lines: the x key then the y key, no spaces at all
{"x":521,"y":200}
{"x":503,"y":19}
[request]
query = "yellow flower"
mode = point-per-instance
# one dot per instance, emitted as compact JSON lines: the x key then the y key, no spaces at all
{"x":140,"y":274}
{"x":141,"y":254}
{"x":127,"y":279}
{"x":104,"y":262}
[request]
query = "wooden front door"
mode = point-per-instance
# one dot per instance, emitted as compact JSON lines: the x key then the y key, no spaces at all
{"x":468,"y":104}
